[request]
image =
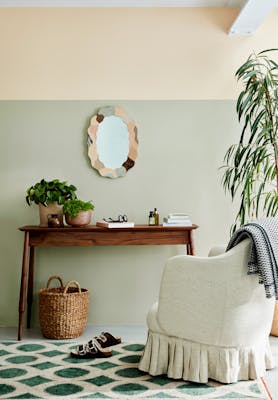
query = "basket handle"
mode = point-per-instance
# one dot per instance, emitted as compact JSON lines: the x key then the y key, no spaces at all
{"x":69,"y":284}
{"x":54,"y":277}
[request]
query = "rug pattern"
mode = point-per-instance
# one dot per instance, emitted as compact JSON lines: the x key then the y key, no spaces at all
{"x":45,"y":370}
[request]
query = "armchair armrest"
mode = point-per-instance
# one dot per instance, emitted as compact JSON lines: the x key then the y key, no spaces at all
{"x":217,"y":250}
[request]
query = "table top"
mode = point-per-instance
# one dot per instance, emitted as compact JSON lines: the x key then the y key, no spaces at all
{"x":94,"y":228}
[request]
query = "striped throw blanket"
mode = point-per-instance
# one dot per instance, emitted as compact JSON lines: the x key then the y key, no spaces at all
{"x":263,"y":257}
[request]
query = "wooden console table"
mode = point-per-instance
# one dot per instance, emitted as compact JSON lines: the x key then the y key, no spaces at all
{"x":90,"y":236}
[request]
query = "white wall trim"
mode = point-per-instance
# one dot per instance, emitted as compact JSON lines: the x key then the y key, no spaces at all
{"x":118,"y":3}
{"x":251,"y":16}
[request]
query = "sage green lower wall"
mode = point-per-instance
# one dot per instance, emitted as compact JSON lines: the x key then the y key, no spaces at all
{"x":181,"y":147}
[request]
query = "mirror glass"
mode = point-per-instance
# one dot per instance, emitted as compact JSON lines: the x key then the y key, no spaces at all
{"x":112,"y":142}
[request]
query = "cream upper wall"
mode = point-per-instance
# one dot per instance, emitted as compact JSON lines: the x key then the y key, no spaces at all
{"x":124,"y":53}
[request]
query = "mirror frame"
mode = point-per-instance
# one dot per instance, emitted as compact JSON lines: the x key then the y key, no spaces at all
{"x":95,"y":122}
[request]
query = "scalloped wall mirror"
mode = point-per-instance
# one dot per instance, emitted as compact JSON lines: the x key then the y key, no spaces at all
{"x":112,"y":142}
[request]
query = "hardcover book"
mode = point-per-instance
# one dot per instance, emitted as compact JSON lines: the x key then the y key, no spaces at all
{"x":104,"y":224}
{"x":177,"y":220}
{"x":182,"y":223}
{"x":178,"y":216}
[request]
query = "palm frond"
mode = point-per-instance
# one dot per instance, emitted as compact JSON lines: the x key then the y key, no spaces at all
{"x":250,"y":167}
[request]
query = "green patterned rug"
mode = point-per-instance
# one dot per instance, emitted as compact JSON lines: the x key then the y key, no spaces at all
{"x":44,"y":370}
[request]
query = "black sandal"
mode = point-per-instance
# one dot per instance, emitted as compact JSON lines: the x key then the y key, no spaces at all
{"x":105,"y":339}
{"x":90,"y":350}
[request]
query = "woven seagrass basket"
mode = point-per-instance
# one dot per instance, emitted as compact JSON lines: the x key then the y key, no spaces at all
{"x":274,"y":328}
{"x":63,"y":311}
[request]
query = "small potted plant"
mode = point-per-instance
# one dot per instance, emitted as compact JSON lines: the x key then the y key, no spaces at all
{"x":50,"y":196}
{"x":78,"y":212}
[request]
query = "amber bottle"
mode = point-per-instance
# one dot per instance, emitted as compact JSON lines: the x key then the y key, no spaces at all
{"x":156,"y":217}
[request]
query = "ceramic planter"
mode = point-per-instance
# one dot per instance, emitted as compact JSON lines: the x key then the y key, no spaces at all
{"x":52,"y":208}
{"x":83,"y":218}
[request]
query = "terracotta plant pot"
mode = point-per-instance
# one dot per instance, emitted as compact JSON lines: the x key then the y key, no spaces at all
{"x":83,"y":218}
{"x":52,"y":208}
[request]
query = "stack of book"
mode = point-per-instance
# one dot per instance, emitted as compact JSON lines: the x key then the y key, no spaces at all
{"x":177,"y":219}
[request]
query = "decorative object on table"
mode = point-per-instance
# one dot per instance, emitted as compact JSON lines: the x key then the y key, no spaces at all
{"x":120,"y":222}
{"x":53,"y":221}
{"x":78,"y":212}
{"x":151,"y":218}
{"x":63,"y":311}
{"x":50,"y":196}
{"x":50,"y":373}
{"x":112,"y":142}
{"x":156,"y":216}
{"x":251,"y":166}
{"x":177,"y":219}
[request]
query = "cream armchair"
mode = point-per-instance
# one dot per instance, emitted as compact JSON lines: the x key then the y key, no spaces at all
{"x":212,"y":320}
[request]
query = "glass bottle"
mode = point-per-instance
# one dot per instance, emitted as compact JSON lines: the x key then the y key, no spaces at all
{"x":53,"y":221}
{"x":151,"y":218}
{"x":156,"y":217}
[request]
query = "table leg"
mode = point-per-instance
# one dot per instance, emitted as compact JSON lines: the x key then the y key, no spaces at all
{"x":22,"y":297}
{"x":30,"y":286}
{"x":190,"y":246}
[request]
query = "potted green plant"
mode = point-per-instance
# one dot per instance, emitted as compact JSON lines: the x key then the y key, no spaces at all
{"x":50,"y":196}
{"x":78,"y":212}
{"x":251,"y":165}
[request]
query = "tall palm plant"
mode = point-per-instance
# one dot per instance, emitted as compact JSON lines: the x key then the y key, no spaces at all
{"x":251,"y":166}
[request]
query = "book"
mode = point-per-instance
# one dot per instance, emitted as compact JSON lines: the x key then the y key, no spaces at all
{"x":176,"y":221}
{"x":186,"y":220}
{"x":178,"y":216}
{"x":182,"y":223}
{"x":104,"y":224}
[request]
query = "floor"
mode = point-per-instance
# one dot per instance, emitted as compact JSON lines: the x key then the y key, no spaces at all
{"x":137,"y":334}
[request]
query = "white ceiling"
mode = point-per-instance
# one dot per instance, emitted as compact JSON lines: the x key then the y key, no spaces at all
{"x":252,"y":12}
